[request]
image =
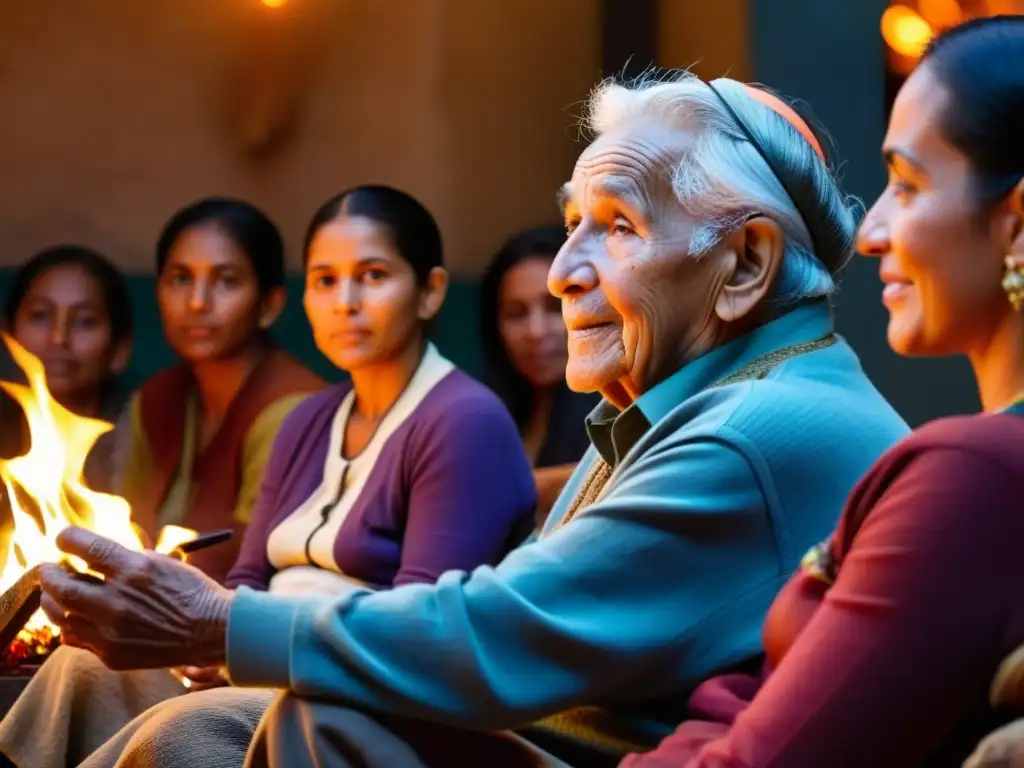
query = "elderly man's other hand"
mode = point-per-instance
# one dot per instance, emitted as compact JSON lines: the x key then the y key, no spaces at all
{"x":204,"y":678}
{"x":1000,"y":749}
{"x":151,"y":611}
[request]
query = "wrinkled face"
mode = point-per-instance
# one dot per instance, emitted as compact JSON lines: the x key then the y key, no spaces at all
{"x":635,"y":301}
{"x":64,"y":321}
{"x":209,"y":298}
{"x":941,"y":259}
{"x":361,"y":297}
{"x":530,"y":323}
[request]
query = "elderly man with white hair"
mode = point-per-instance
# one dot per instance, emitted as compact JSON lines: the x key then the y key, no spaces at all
{"x":706,"y":231}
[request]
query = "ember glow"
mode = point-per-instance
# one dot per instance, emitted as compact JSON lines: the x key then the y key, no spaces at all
{"x":47,"y":491}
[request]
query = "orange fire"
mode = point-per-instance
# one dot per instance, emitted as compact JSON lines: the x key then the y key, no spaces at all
{"x":46,"y":488}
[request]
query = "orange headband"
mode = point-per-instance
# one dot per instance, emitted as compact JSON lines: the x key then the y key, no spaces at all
{"x":787,"y":113}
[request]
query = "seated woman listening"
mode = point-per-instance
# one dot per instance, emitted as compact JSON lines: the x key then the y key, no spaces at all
{"x":199,"y":434}
{"x":69,"y":307}
{"x":695,"y":285}
{"x":881,"y":650}
{"x":525,"y":343}
{"x":410,"y":470}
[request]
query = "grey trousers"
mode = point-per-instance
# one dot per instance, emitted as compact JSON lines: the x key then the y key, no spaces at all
{"x":236,"y":728}
{"x":73,"y":705}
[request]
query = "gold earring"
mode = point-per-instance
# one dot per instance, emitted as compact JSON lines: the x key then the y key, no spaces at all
{"x":1013,"y":283}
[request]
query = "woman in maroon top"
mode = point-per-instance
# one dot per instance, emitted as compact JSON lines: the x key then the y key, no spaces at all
{"x":882,"y":649}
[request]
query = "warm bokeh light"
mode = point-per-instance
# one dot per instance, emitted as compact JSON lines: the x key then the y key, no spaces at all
{"x":274,"y":3}
{"x":999,"y":7}
{"x":905,"y":31}
{"x":941,"y":13}
{"x":908,"y":26}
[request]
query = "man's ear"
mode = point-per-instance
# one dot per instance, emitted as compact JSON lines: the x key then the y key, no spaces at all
{"x":755,"y":251}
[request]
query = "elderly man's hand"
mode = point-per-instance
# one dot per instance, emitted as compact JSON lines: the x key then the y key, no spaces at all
{"x":1003,"y":748}
{"x":151,"y":611}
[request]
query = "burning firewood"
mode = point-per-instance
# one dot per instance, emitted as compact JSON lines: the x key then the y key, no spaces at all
{"x":23,"y":647}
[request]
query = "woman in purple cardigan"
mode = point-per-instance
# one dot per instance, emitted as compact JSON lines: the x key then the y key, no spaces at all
{"x":383,"y":481}
{"x":409,"y":470}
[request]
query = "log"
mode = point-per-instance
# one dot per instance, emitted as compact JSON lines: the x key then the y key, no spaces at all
{"x":17,"y":605}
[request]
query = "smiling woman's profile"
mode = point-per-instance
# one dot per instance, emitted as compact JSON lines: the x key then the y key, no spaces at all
{"x":942,"y":228}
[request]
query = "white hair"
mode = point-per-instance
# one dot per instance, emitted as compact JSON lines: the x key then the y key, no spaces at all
{"x":725,"y":179}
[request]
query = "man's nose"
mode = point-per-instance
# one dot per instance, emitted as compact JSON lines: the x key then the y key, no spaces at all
{"x":572,"y":270}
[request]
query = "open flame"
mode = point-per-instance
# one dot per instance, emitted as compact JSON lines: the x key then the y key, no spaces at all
{"x":46,"y":489}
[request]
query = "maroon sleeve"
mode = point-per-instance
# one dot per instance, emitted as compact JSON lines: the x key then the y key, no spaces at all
{"x":906,"y":641}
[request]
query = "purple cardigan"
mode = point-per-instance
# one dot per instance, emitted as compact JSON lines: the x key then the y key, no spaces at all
{"x":452,"y":489}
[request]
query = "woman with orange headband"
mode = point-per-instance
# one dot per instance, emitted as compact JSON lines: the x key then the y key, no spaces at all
{"x":705,"y":232}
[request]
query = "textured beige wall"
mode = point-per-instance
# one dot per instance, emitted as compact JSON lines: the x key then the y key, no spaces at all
{"x":113,"y":115}
{"x":711,"y":37}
